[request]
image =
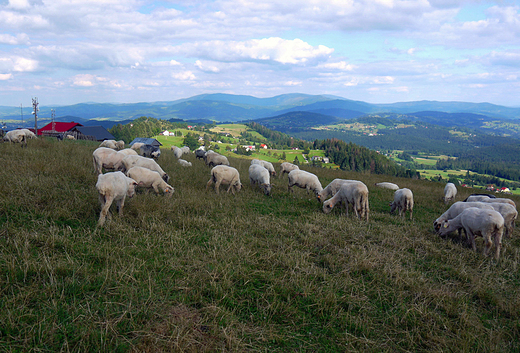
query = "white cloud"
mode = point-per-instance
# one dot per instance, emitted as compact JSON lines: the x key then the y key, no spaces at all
{"x":24,"y":65}
{"x":84,"y":80}
{"x":4,"y":77}
{"x":184,"y":76}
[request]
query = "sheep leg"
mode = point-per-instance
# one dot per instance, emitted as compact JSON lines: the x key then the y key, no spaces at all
{"x":217,"y":186}
{"x":209,"y":183}
{"x":106,"y":202}
{"x":120,"y":205}
{"x":498,"y":243}
{"x":471,"y":239}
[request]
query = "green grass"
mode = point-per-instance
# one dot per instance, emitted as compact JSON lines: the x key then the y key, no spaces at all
{"x":207,"y":272}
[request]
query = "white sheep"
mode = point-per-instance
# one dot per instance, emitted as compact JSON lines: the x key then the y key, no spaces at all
{"x":258,"y":174}
{"x":149,"y":179}
{"x":304,"y":180}
{"x":478,"y":197}
{"x":227,"y":175}
{"x":129,"y":151}
{"x":213,"y":159}
{"x":104,"y":157}
{"x":140,"y":161}
{"x":16,"y":136}
{"x":509,"y":213}
{"x":450,"y":191}
{"x":267,"y":165}
{"x":333,"y":188}
{"x":185,"y":149}
{"x":109,"y":144}
{"x":489,"y":224}
{"x":137,"y":146}
{"x":403,"y":201}
{"x":120,"y":145}
{"x":28,"y":134}
{"x":184,"y":163}
{"x":491,"y":200}
{"x":177,"y":151}
{"x":355,"y":194}
{"x":387,"y":185}
{"x":287,"y":167}
{"x":457,"y":209}
{"x":114,"y":186}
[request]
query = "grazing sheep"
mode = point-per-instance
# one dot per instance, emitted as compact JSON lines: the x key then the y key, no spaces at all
{"x":184,"y":163}
{"x":267,"y":165}
{"x":333,"y":187}
{"x":128,"y":151}
{"x":140,"y":161}
{"x":287,"y":167}
{"x":114,"y":186}
{"x":491,"y":200}
{"x":70,"y":137}
{"x":109,"y":144}
{"x":457,"y":209}
{"x":509,"y":213}
{"x":478,"y":197}
{"x":16,"y":136}
{"x":104,"y":157}
{"x":258,"y":174}
{"x":403,"y":201}
{"x":227,"y":175}
{"x":137,"y":146}
{"x":185,"y":149}
{"x":489,"y":224}
{"x":199,"y":154}
{"x":29,"y":134}
{"x":177,"y":152}
{"x":150,"y":151}
{"x":387,"y":185}
{"x":120,"y":145}
{"x":213,"y":159}
{"x":306,"y":180}
{"x":450,"y":191}
{"x":149,"y":179}
{"x":355,"y":194}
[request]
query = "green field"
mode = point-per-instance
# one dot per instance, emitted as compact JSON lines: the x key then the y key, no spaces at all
{"x":202,"y":272}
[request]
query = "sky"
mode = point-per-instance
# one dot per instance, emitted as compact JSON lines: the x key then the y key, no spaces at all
{"x":379,"y":51}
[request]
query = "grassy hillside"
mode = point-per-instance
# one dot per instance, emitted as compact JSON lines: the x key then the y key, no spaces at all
{"x":207,"y":272}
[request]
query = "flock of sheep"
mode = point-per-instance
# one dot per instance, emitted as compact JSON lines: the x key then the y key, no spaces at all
{"x":478,"y":215}
{"x":19,"y":136}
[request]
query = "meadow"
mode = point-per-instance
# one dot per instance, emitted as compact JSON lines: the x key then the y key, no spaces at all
{"x":205,"y":272}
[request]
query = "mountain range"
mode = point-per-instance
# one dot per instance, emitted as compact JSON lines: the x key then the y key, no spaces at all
{"x":302,"y":109}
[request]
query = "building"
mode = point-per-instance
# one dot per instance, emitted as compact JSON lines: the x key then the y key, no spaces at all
{"x":94,"y":133}
{"x":56,"y":128}
{"x":146,"y":141}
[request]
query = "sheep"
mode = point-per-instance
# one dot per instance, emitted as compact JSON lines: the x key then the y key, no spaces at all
{"x":450,"y":191}
{"x":70,"y":137}
{"x":267,"y":165}
{"x":403,"y":201}
{"x":104,"y":157}
{"x":137,"y":146}
{"x":489,"y":224}
{"x":491,"y":200}
{"x":287,"y":167}
{"x":306,"y":180}
{"x":258,"y":174}
{"x":108,"y":144}
{"x":120,"y":145}
{"x":457,"y":209}
{"x":140,"y":161}
{"x":114,"y":186}
{"x":509,"y":213}
{"x":213,"y":159}
{"x":150,"y":151}
{"x":184,"y":163}
{"x":199,"y":154}
{"x":333,"y":187}
{"x":227,"y":175}
{"x":387,"y":185}
{"x":28,"y":134}
{"x":128,"y":151}
{"x":16,"y":136}
{"x":350,"y":193}
{"x":478,"y":197}
{"x":185,"y":149}
{"x":177,"y":151}
{"x":149,"y":179}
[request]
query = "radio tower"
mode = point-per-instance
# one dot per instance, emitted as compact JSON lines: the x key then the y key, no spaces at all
{"x":53,"y":116}
{"x":35,"y":112}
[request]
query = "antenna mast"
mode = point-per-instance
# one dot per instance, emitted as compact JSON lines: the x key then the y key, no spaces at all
{"x":35,"y":112}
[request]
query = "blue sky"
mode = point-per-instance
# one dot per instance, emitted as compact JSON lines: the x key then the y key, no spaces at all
{"x":379,"y":51}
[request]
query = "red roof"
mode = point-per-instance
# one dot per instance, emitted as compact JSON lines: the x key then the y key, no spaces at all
{"x":58,"y":127}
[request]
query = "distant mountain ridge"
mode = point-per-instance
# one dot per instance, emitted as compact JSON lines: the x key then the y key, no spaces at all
{"x":222,"y":107}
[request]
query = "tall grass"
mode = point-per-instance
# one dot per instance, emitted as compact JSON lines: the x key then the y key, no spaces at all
{"x":207,"y":272}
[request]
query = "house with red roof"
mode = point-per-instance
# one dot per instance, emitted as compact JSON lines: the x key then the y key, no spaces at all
{"x":56,"y":128}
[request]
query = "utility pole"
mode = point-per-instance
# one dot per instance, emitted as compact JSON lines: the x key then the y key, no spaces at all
{"x":53,"y":116}
{"x":35,"y":112}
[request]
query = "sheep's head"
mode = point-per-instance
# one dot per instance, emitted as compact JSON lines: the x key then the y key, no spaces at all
{"x":327,"y":207}
{"x":131,"y":187}
{"x":169,"y":190}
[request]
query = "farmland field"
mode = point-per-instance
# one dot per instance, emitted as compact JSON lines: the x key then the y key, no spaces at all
{"x":245,"y":272}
